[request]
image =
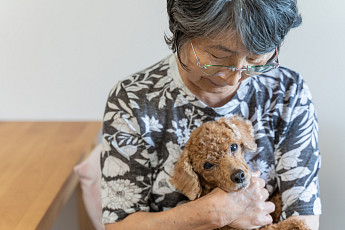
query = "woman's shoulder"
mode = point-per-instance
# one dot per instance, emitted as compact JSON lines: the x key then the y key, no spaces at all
{"x":281,"y":86}
{"x":281,"y":80}
{"x":145,"y":78}
{"x":283,"y":75}
{"x":156,"y":70}
{"x":150,"y":87}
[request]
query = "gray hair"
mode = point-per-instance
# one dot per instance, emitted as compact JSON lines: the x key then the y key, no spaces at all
{"x":260,"y":24}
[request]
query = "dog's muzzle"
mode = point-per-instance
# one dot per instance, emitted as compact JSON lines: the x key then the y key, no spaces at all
{"x":238,"y":176}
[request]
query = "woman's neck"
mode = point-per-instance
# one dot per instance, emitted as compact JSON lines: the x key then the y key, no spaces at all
{"x":213,"y":99}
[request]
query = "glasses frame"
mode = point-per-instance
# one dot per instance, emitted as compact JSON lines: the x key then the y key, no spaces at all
{"x":275,"y":64}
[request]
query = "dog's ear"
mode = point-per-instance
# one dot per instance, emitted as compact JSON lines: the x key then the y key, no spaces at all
{"x":184,"y":178}
{"x":247,"y":132}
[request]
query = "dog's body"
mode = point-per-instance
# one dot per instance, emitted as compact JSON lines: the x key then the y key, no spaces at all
{"x":214,"y":157}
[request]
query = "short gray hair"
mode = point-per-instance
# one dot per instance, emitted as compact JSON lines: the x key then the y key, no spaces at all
{"x":260,"y":24}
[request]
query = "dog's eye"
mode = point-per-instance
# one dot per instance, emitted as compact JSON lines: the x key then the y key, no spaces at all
{"x":208,"y":165}
{"x":233,"y":148}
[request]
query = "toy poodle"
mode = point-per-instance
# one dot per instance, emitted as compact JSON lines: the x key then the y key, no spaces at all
{"x":214,"y":157}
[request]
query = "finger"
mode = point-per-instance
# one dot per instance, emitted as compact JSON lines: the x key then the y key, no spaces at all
{"x":262,"y":195}
{"x":269,"y":207}
{"x":265,"y":194}
{"x":256,"y":173}
{"x":267,"y":219}
{"x":258,"y":182}
{"x":262,"y":220}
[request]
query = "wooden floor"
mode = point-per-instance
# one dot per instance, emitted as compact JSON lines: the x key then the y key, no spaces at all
{"x":36,"y":162}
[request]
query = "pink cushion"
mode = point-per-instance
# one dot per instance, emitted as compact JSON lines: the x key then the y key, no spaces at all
{"x":89,"y":172}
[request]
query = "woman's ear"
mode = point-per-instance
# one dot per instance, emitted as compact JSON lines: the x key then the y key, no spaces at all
{"x":246,"y":130}
{"x":184,"y":178}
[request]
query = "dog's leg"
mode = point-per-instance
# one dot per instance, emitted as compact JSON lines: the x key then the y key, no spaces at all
{"x":277,"y":200}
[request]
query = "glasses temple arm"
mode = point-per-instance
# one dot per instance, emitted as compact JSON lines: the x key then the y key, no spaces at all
{"x":196,"y":57}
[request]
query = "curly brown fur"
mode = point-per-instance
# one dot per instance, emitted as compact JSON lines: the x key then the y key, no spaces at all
{"x":210,"y":159}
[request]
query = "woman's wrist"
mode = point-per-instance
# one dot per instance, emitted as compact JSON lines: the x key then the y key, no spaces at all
{"x":195,"y":215}
{"x":191,"y":215}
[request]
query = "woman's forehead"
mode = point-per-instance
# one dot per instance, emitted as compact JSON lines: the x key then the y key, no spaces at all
{"x":227,"y":43}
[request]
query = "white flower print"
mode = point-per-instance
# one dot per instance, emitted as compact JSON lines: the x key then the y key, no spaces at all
{"x":295,"y":213}
{"x":126,"y":151}
{"x":120,"y":194}
{"x":288,"y":160}
{"x":197,"y":122}
{"x":109,"y":217}
{"x":244,"y":109}
{"x":305,"y":95}
{"x":114,"y":167}
{"x":125,"y":125}
{"x":189,"y":112}
{"x":317,"y":206}
{"x":183,"y":132}
{"x":290,"y":93}
{"x":309,"y":192}
{"x":162,"y":81}
{"x":271,"y":172}
{"x":283,"y":216}
{"x":162,"y":186}
{"x":183,"y":122}
{"x":291,"y":195}
{"x":178,"y":132}
{"x":299,"y":192}
{"x":242,"y":91}
{"x":140,"y":178}
{"x":105,"y":145}
{"x":248,"y":156}
{"x":294,"y":174}
{"x":151,"y":124}
{"x":183,"y":127}
{"x":262,"y":167}
{"x":180,"y":101}
{"x":186,"y":133}
{"x":174,"y":153}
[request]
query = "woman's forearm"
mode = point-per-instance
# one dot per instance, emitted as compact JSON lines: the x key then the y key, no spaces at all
{"x":311,"y":221}
{"x":186,"y":216}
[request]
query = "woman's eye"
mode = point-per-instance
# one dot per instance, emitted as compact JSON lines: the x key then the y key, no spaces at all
{"x":233,"y":148}
{"x":257,"y":59}
{"x":215,"y":56}
{"x":208,"y":165}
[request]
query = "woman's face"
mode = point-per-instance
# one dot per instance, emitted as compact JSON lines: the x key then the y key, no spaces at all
{"x":220,"y":51}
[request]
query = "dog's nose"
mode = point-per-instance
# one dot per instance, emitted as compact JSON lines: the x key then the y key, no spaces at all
{"x":239,"y":176}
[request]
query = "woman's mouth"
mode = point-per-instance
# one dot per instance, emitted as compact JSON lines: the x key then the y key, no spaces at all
{"x":216,"y":84}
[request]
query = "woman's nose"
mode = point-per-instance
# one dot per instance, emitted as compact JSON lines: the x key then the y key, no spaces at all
{"x":232,"y":78}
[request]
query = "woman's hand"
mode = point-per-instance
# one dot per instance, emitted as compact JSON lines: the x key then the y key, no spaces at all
{"x":244,"y":209}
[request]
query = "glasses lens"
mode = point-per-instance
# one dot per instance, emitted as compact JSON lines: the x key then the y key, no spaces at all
{"x":256,"y":70}
{"x":217,"y":70}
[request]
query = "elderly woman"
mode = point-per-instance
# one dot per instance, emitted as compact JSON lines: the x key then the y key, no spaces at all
{"x":225,"y":63}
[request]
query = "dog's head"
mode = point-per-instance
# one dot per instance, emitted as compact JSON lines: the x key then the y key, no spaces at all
{"x":214,"y":157}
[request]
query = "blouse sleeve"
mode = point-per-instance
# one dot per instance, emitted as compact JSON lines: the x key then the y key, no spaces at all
{"x":126,"y":173}
{"x":297,"y":156}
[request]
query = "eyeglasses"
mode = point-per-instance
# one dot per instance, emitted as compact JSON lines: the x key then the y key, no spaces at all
{"x":222,"y":70}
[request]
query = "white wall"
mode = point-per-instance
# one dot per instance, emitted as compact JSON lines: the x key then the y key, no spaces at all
{"x":59,"y":59}
{"x":317,"y":50}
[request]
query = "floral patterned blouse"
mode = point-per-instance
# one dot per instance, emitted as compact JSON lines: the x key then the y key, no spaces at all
{"x":150,"y":115}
